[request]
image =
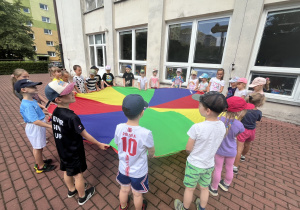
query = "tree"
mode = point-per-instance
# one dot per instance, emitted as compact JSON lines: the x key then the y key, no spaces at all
{"x":15,"y":42}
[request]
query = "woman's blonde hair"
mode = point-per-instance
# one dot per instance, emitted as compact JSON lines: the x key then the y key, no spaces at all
{"x":16,"y":73}
{"x":257,"y":99}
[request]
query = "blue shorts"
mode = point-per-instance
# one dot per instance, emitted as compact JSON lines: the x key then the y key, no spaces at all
{"x":138,"y":184}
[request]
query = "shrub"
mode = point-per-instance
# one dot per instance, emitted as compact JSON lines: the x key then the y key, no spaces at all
{"x":7,"y":67}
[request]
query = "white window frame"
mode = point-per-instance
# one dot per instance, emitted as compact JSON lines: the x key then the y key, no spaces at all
{"x":49,"y":30}
{"x":49,"y":43}
{"x":35,"y":48}
{"x":45,"y":6}
{"x":294,"y":98}
{"x":190,"y":64}
{"x":51,"y":54}
{"x":132,"y":62}
{"x":103,"y":45}
{"x":27,"y":9}
{"x":47,"y":19}
{"x":96,"y":3}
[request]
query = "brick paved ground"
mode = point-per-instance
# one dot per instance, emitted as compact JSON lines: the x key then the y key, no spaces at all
{"x":269,"y":179}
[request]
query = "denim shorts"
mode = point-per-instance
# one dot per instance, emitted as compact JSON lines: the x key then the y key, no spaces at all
{"x":140,"y":185}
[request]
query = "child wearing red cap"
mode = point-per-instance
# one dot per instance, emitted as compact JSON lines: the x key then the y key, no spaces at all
{"x":249,"y":121}
{"x":228,"y":149}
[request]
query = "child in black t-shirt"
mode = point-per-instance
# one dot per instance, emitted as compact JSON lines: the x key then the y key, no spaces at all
{"x":128,"y":77}
{"x":68,"y":132}
{"x":108,"y":78}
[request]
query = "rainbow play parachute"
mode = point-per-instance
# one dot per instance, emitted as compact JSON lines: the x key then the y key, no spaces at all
{"x":170,"y":114}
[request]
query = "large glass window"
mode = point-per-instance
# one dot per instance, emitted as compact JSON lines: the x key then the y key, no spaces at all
{"x":179,"y":42}
{"x":126,"y":45}
{"x":141,"y":44}
{"x":171,"y":73}
{"x":97,"y":50}
{"x":133,"y":50}
{"x":211,"y":36}
{"x":280,"y":43}
{"x":277,"y":84}
{"x":276,"y":55}
{"x":198,"y":44}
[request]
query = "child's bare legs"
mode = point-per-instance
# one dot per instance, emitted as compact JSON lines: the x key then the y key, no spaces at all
{"x":188,"y":197}
{"x":79,"y":184}
{"x":204,"y":195}
{"x":38,"y":156}
{"x":137,"y":200}
{"x":123,"y":195}
{"x":240,"y":148}
{"x":69,"y":180}
{"x":246,"y":148}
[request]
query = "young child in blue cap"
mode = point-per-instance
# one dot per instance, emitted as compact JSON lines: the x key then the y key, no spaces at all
{"x":133,"y":143}
{"x":35,"y":123}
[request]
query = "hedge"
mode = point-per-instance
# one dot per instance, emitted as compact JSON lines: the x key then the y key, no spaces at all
{"x":7,"y":67}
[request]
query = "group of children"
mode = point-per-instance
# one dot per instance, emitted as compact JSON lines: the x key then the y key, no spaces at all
{"x":210,"y":143}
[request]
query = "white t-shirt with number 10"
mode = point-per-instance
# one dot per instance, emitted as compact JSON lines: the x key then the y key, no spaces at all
{"x":133,"y":143}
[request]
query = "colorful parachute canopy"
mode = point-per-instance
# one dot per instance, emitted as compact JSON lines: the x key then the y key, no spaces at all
{"x":170,"y":115}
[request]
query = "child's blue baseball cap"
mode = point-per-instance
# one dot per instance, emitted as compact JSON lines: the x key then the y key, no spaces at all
{"x":23,"y":83}
{"x":204,"y":75}
{"x":234,"y":79}
{"x":133,"y":105}
{"x":128,"y":66}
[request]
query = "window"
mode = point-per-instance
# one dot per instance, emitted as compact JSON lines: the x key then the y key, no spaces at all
{"x":210,"y":43}
{"x":26,"y":10}
{"x":133,"y":50}
{"x":31,"y":35}
{"x":198,"y":45}
{"x":29,"y":23}
{"x":46,"y":19}
{"x":52,"y":54}
{"x":179,"y":42}
{"x":47,"y":31}
{"x":44,"y":6}
{"x":49,"y":43}
{"x":34,"y":48}
{"x":277,"y":84}
{"x":93,"y":4}
{"x":276,"y":55}
{"x":97,"y":50}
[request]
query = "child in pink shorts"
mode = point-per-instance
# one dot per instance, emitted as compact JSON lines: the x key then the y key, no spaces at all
{"x":249,"y":121}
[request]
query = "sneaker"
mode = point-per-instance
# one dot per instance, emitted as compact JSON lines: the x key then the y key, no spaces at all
{"x":223,"y":186}
{"x":88,"y":194}
{"x":72,"y":194}
{"x":46,"y":168}
{"x":178,"y":204}
{"x":212,"y":191}
{"x":198,"y":204}
{"x":242,"y":158}
{"x":235,"y":170}
{"x":145,"y":203}
{"x":48,"y":161}
{"x":127,"y":206}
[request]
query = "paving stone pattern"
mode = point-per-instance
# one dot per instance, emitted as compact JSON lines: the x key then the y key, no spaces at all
{"x":268,"y":179}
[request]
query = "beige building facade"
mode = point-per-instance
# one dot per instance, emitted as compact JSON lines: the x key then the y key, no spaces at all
{"x":244,"y":37}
